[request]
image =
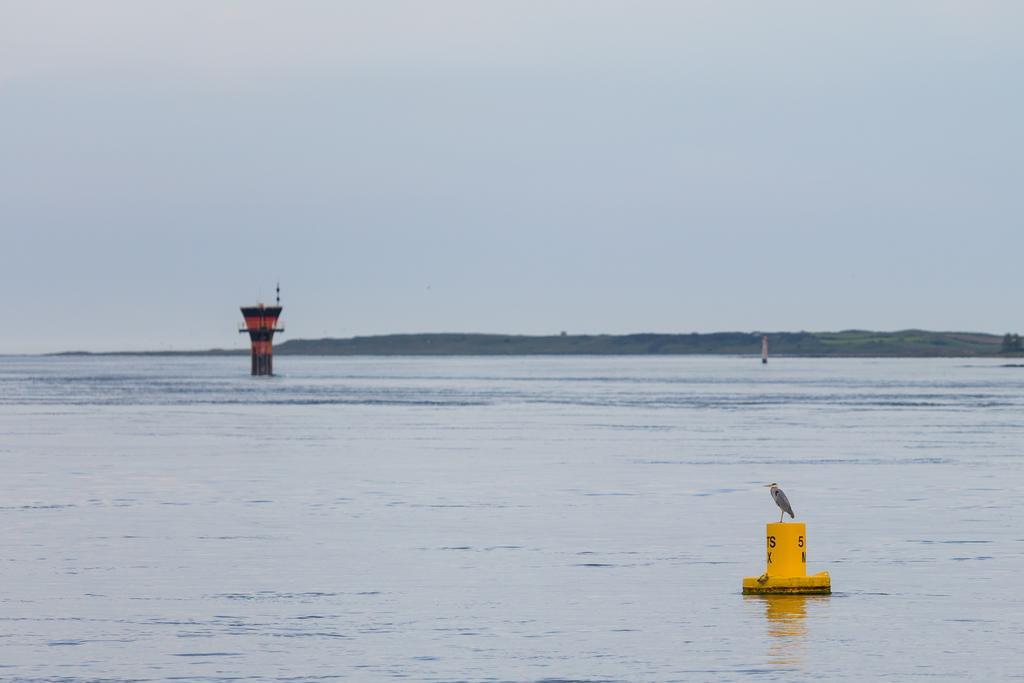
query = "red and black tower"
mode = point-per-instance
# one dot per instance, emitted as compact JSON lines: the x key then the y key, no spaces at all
{"x":261,"y":324}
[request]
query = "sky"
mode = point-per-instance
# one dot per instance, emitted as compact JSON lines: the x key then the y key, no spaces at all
{"x":513,"y":167}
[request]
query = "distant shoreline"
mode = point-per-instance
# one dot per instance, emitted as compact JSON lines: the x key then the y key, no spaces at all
{"x":845,"y":344}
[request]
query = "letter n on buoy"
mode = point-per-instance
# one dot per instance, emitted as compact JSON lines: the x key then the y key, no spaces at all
{"x":786,"y":572}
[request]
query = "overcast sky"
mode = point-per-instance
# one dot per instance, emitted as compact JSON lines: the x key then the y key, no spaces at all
{"x":520,"y":167}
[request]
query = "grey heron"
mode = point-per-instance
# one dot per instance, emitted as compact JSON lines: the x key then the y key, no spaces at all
{"x":780,"y":499}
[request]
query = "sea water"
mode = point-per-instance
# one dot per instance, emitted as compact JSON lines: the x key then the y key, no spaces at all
{"x":506,"y":519}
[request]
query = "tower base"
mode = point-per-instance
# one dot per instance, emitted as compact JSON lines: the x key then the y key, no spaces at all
{"x":818,"y":584}
{"x":262,"y":364}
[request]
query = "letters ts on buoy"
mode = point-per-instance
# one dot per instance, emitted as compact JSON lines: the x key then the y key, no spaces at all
{"x":786,"y":561}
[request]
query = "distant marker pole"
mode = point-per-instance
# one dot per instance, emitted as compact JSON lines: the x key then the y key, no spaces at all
{"x":764,"y":349}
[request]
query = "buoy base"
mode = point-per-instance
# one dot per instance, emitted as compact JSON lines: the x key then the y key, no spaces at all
{"x":818,"y":584}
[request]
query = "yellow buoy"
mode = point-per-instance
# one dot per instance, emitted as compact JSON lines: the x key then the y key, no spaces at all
{"x":786,"y":551}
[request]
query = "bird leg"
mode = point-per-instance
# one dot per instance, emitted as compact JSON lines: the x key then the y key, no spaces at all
{"x":781,"y":516}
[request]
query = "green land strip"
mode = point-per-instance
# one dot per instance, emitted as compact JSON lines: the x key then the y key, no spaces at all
{"x":854,"y":343}
{"x":849,"y":343}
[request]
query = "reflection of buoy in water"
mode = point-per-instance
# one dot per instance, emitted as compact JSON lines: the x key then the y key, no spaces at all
{"x":786,"y":618}
{"x":786,"y":572}
{"x":786,"y":615}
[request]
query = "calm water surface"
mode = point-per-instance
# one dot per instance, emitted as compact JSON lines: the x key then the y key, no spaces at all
{"x":506,"y":519}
